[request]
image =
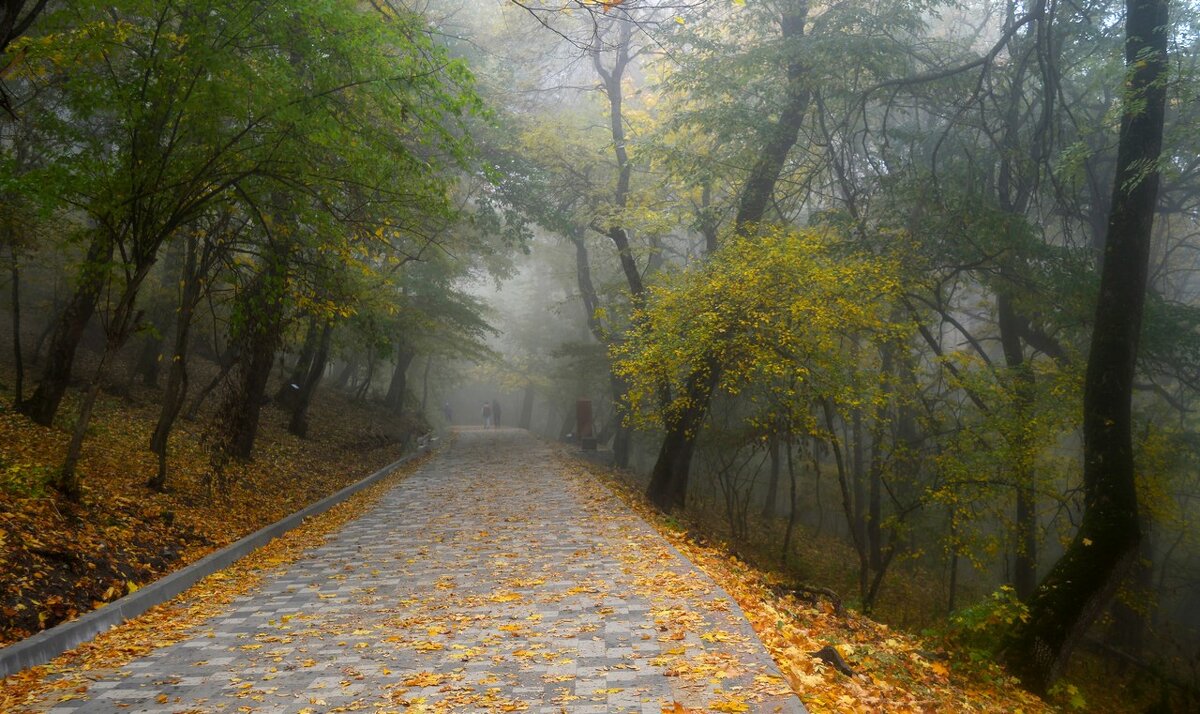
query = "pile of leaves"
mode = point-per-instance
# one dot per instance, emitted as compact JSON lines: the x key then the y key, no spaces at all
{"x":59,"y":560}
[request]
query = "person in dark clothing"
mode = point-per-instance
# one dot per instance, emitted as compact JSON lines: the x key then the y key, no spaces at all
{"x":495,"y":413}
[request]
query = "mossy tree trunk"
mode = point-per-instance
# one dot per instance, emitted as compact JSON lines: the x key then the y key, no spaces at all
{"x":1081,"y":584}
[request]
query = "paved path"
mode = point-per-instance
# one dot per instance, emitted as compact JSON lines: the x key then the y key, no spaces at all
{"x":493,"y":579}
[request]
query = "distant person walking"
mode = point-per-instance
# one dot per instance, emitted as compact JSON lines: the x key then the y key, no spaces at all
{"x":496,"y":412}
{"x":448,"y":412}
{"x":486,"y":413}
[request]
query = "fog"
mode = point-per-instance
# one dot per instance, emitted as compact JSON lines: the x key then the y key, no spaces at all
{"x":830,"y":276}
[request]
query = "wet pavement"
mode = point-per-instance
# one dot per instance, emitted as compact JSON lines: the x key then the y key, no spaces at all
{"x":498,"y":577}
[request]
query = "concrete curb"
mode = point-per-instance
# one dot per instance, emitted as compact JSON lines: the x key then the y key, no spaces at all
{"x":48,"y":644}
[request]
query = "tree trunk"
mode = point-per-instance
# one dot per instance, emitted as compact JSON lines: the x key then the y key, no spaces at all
{"x":952,"y":597}
{"x":874,"y":525}
{"x":527,"y":408}
{"x":18,"y":358}
{"x":612,"y":78}
{"x":1020,"y":460}
{"x":298,"y":424}
{"x":243,"y":408}
{"x":864,"y":565}
{"x":859,"y":475}
{"x":425,"y":386}
{"x":348,"y":370}
{"x":286,"y":395}
{"x":707,"y":221}
{"x":622,"y":432}
{"x":668,"y":481}
{"x":1131,"y":614}
{"x":792,"y":505}
{"x":177,"y":377}
{"x":147,"y":365}
{"x":366,"y":385}
{"x":622,"y":435}
{"x":228,"y":359}
{"x":1081,"y":583}
{"x":42,"y":405}
{"x":772,"y":497}
{"x":120,"y":325}
{"x":259,"y":335}
{"x":399,"y":384}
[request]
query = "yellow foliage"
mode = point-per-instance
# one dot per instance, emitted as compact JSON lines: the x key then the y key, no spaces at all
{"x":784,"y":313}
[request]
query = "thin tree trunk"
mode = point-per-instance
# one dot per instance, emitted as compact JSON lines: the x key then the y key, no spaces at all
{"x":612,"y":78}
{"x":792,"y":505}
{"x":287,"y":393}
{"x":1082,"y":582}
{"x":859,"y":476}
{"x":707,"y":220}
{"x":66,"y":481}
{"x":951,"y":601}
{"x":527,"y":408}
{"x":147,"y":365}
{"x":346,"y":373}
{"x":874,"y":525}
{"x":425,"y":386}
{"x":623,"y":433}
{"x":177,"y":377}
{"x":366,"y":385}
{"x":772,"y":498}
{"x":228,"y":359}
{"x":42,"y":405}
{"x":47,"y":330}
{"x":298,"y":424}
{"x":864,"y":565}
{"x":1020,"y":461}
{"x":399,"y":385}
{"x":18,"y":358}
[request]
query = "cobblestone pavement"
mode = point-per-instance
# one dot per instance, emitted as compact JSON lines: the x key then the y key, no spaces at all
{"x":495,"y":578}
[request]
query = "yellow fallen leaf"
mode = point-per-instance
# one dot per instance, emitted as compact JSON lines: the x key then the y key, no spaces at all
{"x":731,"y":705}
{"x":425,"y":679}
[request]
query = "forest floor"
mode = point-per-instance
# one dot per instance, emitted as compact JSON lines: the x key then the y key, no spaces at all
{"x":888,"y":670}
{"x":61,"y":560}
{"x":949,"y":667}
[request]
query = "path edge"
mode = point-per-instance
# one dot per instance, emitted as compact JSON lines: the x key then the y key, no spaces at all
{"x":48,"y":644}
{"x":790,"y":705}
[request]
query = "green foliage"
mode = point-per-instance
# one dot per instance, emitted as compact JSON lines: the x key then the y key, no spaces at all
{"x":1065,"y":691}
{"x":25,"y":480}
{"x":334,"y":127}
{"x":981,"y":629}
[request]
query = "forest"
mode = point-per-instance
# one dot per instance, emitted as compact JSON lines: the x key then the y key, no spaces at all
{"x":895,"y":300}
